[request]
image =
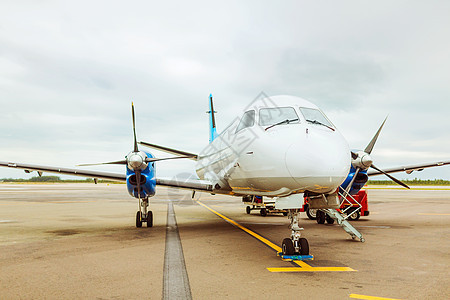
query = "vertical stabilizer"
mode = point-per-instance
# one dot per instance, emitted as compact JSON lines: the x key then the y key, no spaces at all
{"x":212,"y":120}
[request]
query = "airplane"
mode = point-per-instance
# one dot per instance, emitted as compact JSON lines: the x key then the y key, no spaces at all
{"x":281,"y":147}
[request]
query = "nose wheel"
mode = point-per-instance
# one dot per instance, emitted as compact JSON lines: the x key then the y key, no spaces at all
{"x":144,"y":216}
{"x":295,"y":244}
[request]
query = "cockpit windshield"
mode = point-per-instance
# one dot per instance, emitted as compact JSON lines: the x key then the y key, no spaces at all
{"x":315,"y":116}
{"x":278,"y":115}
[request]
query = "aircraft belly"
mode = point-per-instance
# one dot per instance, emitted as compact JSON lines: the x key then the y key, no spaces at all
{"x":284,"y":185}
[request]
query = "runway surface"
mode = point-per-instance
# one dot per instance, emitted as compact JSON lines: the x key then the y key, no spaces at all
{"x":73,"y":241}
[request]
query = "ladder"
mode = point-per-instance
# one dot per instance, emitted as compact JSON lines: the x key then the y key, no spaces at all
{"x":342,"y":221}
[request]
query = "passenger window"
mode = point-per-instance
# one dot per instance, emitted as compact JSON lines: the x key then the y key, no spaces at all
{"x":271,"y":116}
{"x":248,"y":120}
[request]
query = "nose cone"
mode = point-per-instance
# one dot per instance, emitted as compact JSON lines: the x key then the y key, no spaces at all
{"x":320,"y":162}
{"x":366,"y":160}
{"x":136,"y":161}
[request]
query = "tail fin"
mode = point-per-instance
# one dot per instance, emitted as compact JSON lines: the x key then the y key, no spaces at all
{"x":212,"y":120}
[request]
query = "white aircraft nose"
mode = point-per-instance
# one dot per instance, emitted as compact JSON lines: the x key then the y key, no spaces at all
{"x":320,"y":162}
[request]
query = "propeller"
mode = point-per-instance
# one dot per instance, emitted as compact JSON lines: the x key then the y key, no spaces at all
{"x":136,"y":160}
{"x":369,"y":147}
{"x":391,"y":177}
{"x":134,"y":128}
{"x":362,"y":160}
{"x":124,"y":161}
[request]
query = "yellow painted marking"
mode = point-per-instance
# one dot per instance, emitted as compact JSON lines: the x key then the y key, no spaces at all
{"x":433,"y":214}
{"x":311,"y":269}
{"x":356,"y":296}
{"x":254,"y":234}
{"x":302,"y":264}
{"x":303,"y":267}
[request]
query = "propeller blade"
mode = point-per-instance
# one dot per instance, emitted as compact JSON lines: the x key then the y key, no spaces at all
{"x":170,"y":150}
{"x":153,"y":159}
{"x":369,"y":147}
{"x":347,"y":190}
{"x":390,"y":177}
{"x":354,"y":155}
{"x":138,"y":181}
{"x":134,"y":128}
{"x":118,"y":162}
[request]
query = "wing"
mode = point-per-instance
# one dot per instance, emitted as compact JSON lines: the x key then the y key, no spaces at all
{"x":66,"y":171}
{"x":409,"y":169}
{"x":197,"y":185}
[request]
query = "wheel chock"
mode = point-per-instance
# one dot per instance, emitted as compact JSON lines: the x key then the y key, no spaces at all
{"x":295,"y":257}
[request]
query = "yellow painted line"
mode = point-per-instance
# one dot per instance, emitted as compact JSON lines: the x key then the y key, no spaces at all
{"x":310,"y":269}
{"x":433,"y":214}
{"x":255,"y":235}
{"x":303,"y":267}
{"x":356,"y":296}
{"x":302,"y":264}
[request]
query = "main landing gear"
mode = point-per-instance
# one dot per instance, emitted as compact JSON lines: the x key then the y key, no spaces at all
{"x":144,"y":216}
{"x":295,"y":244}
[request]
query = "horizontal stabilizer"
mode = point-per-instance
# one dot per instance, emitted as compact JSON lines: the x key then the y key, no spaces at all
{"x":171,"y":151}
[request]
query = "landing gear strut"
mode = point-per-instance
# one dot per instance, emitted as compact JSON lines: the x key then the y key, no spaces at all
{"x":144,"y":216}
{"x":295,"y":244}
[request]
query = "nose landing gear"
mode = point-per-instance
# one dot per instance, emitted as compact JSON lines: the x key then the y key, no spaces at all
{"x":144,"y":216}
{"x":295,"y":244}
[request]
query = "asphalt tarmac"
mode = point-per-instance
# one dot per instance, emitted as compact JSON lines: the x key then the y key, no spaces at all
{"x":78,"y":241}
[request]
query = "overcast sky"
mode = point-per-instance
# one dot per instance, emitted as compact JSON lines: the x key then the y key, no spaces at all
{"x":70,"y":69}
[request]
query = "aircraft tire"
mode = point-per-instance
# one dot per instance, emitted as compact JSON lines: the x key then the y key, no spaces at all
{"x":329,"y":220}
{"x":285,"y":213}
{"x":304,"y":246}
{"x":150,"y":219}
{"x":138,"y":219}
{"x":320,"y":217}
{"x":248,"y":210}
{"x":288,"y":247}
{"x":263,"y":212}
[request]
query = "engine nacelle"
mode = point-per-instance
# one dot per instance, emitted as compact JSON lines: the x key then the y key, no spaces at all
{"x":360,"y":180}
{"x":147,"y":180}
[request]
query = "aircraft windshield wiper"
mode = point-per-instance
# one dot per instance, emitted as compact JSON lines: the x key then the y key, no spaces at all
{"x":317,"y":122}
{"x":287,"y":121}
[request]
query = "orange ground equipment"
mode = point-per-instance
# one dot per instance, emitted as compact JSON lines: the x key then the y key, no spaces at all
{"x":354,"y":208}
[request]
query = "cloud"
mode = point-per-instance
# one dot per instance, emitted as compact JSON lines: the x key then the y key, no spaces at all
{"x":68,"y":72}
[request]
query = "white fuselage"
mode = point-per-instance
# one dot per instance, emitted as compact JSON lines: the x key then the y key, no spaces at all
{"x":277,"y":161}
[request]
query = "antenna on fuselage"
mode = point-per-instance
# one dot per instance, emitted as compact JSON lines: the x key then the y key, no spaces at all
{"x":212,"y":120}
